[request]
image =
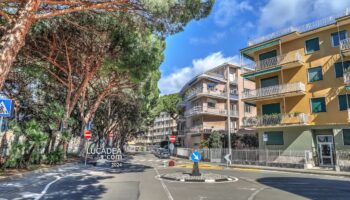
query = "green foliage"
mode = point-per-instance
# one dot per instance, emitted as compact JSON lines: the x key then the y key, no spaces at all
{"x":55,"y":157}
{"x":167,"y":103}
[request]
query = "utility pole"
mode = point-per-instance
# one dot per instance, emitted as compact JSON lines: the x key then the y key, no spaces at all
{"x":228,"y":111}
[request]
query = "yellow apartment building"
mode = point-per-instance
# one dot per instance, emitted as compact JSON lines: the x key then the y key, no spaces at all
{"x":302,"y":96}
{"x":205,"y":105}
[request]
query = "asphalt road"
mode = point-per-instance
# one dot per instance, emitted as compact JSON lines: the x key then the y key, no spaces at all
{"x":137,"y":180}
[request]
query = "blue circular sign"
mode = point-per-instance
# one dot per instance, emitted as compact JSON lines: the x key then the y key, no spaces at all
{"x":196,"y":156}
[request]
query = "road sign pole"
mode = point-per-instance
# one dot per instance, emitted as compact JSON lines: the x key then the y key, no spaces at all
{"x":86,"y":149}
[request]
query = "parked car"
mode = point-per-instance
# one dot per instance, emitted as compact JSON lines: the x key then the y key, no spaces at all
{"x":164,"y":153}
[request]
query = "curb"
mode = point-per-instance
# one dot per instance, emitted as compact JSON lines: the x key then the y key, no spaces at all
{"x":291,"y":170}
{"x":331,"y":173}
{"x":24,"y":174}
{"x":219,"y":180}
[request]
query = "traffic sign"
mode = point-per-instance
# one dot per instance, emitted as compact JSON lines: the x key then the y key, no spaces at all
{"x":110,"y":135}
{"x":172,"y":138}
{"x":89,"y":126}
{"x":196,"y":156}
{"x":87,"y":134}
{"x":5,"y":107}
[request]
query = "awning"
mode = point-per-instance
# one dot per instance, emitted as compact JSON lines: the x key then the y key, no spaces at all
{"x":256,"y":48}
{"x":262,"y":72}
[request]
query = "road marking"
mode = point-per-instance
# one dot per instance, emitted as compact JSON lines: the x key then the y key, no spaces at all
{"x":46,"y":188}
{"x":252,"y":196}
{"x":164,"y":186}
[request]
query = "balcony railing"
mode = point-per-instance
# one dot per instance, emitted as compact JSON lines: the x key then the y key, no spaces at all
{"x":274,"y":90}
{"x":345,"y":46}
{"x":216,"y":75}
{"x":291,"y":59}
{"x":301,"y":29}
{"x":208,"y":129}
{"x":276,"y":119}
{"x":212,"y":92}
{"x":347,"y":77}
{"x":199,"y":110}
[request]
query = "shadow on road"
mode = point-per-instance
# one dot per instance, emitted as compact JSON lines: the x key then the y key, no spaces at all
{"x":77,"y":187}
{"x":311,"y":188}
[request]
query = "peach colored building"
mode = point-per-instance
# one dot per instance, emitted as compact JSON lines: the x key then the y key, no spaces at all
{"x":205,"y":105}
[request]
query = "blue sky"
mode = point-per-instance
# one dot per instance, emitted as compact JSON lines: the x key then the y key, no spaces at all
{"x":218,"y":38}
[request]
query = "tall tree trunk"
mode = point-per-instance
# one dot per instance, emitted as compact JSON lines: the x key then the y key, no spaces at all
{"x":14,"y":39}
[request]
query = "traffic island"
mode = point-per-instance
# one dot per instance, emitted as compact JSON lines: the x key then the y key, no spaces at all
{"x":204,"y":178}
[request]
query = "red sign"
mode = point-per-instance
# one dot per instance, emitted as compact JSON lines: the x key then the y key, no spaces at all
{"x":172,"y":138}
{"x":87,"y":134}
{"x":110,"y":135}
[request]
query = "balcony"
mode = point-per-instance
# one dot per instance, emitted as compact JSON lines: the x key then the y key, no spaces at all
{"x":276,"y":120}
{"x":207,"y":129}
{"x":210,"y":92}
{"x":198,"y":110}
{"x":345,"y":47}
{"x":285,"y":90}
{"x":181,"y":104}
{"x":347,"y":78}
{"x":286,"y":61}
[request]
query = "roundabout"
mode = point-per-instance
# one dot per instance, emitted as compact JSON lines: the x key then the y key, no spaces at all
{"x":203,"y":178}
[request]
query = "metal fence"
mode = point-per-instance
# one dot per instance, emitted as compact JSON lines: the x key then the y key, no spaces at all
{"x":294,"y":159}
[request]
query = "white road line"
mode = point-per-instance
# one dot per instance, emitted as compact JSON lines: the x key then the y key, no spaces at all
{"x":252,"y":196}
{"x":164,"y":186}
{"x":46,"y":188}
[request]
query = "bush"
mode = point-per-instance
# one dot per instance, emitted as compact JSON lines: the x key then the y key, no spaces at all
{"x":54,"y":157}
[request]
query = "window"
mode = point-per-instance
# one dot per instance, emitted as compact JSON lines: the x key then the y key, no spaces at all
{"x":318,"y":105}
{"x":340,"y":68}
{"x":267,"y":55}
{"x":247,"y":108}
{"x":315,"y":74}
{"x":211,"y":86}
{"x":211,"y":103}
{"x":346,"y":136}
{"x":337,"y":37}
{"x":270,"y":109}
{"x":267,"y":82}
{"x":343,"y":105}
{"x":274,"y":138}
{"x":312,"y":45}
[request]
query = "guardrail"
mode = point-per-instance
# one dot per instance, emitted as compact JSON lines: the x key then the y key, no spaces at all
{"x":274,"y":90}
{"x":276,"y":119}
{"x":275,"y":61}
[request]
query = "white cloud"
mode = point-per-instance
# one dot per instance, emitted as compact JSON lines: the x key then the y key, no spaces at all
{"x":213,"y":39}
{"x":175,"y":81}
{"x":227,"y":9}
{"x":279,"y":14}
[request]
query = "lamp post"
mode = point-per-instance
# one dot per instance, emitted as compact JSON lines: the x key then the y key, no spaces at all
{"x":228,"y":110}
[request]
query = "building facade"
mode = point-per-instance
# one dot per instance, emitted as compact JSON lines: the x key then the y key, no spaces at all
{"x":163,"y":126}
{"x":302,"y":95}
{"x":205,"y":101}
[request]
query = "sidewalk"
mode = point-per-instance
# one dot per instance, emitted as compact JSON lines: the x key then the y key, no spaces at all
{"x":291,"y":170}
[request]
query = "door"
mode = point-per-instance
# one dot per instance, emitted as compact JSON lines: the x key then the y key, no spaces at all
{"x":325,"y":150}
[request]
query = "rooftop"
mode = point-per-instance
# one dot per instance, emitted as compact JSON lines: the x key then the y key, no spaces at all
{"x":301,"y":29}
